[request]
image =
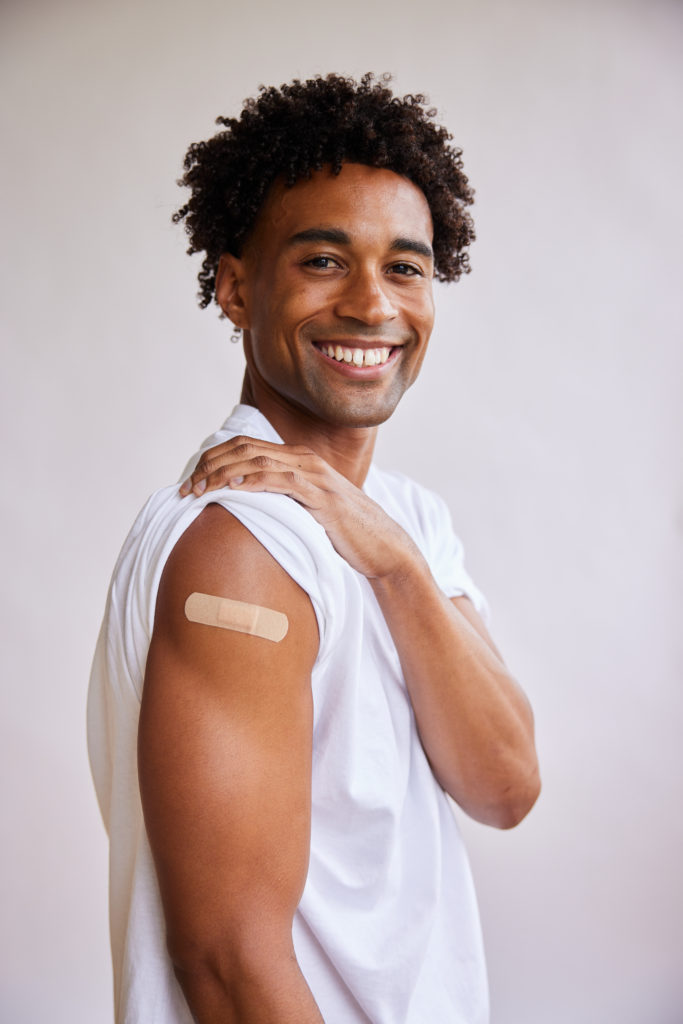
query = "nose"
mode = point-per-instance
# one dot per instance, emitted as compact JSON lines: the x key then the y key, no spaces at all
{"x":366,"y":296}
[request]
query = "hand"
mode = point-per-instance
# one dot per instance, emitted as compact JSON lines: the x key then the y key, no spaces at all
{"x":360,"y":531}
{"x":474,"y":721}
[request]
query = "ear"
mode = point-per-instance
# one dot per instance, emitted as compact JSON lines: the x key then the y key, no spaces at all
{"x":230,"y":289}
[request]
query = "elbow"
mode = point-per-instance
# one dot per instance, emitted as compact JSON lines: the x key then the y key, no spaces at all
{"x":518,"y":786}
{"x":515,"y":801}
{"x":222,"y":966}
{"x":200,"y":964}
{"x":502,"y":796}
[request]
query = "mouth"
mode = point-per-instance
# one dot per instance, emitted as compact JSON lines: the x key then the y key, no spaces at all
{"x":358,"y":357}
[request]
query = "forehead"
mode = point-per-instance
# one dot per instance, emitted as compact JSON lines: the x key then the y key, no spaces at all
{"x":369,"y":203}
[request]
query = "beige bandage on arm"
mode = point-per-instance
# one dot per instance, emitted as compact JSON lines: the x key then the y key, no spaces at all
{"x":237,"y":615}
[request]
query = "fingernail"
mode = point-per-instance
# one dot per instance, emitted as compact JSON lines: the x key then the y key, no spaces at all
{"x":236,"y":481}
{"x":185,"y":488}
{"x":199,"y":487}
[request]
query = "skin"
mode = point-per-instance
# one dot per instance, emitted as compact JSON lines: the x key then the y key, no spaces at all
{"x":225,"y":729}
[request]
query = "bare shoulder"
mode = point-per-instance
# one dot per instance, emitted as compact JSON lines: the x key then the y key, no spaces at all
{"x":196,"y":669}
{"x":218,"y":556}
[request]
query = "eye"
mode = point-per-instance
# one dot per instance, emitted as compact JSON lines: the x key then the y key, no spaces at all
{"x":406,"y":269}
{"x":321,"y":262}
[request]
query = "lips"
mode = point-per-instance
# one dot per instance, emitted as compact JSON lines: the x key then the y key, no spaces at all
{"x":357,"y":356}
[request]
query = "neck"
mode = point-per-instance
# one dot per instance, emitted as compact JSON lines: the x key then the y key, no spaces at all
{"x":349,"y":450}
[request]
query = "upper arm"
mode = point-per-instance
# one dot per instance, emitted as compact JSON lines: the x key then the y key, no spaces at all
{"x":224,"y":746}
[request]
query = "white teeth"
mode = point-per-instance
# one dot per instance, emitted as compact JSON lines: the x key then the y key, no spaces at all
{"x":357,"y":356}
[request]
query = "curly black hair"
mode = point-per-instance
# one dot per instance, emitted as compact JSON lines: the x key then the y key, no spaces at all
{"x":290,"y":132}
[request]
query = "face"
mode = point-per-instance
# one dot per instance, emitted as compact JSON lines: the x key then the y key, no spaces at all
{"x":334,"y":292}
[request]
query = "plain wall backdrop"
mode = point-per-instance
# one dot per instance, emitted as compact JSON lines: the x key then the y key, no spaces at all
{"x":548,"y":415}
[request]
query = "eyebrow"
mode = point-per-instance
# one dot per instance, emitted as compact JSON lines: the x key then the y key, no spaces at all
{"x":412,"y":245}
{"x":335,"y":236}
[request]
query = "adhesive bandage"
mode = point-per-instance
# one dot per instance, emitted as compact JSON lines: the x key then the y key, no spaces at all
{"x":237,"y":615}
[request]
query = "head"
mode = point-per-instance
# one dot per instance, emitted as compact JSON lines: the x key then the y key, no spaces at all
{"x":286,"y":134}
{"x":324,"y":212}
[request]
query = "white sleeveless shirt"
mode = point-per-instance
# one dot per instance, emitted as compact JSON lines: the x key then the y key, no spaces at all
{"x":387,"y":930}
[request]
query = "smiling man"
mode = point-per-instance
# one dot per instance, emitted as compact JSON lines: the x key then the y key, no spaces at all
{"x":293,"y":675}
{"x":334,"y":288}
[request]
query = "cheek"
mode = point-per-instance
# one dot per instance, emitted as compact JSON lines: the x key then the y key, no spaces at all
{"x":289,"y":304}
{"x":423,"y":315}
{"x":305,"y":297}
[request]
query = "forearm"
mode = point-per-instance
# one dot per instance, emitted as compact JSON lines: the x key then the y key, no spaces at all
{"x":242,"y":990}
{"x":474,"y":721}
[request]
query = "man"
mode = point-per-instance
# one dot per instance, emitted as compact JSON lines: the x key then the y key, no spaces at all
{"x":292,"y":639}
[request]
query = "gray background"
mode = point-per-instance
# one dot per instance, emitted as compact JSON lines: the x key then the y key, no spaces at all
{"x":548,"y":415}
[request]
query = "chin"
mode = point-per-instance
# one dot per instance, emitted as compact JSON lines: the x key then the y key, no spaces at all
{"x":359,"y":413}
{"x":358,"y":418}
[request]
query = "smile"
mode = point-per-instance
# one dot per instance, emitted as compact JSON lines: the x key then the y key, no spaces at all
{"x":357,"y":356}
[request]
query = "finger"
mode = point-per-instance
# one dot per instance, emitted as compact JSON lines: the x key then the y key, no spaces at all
{"x":284,"y":481}
{"x":215,"y":457}
{"x":274,"y":459}
{"x":234,"y":472}
{"x":240,"y":448}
